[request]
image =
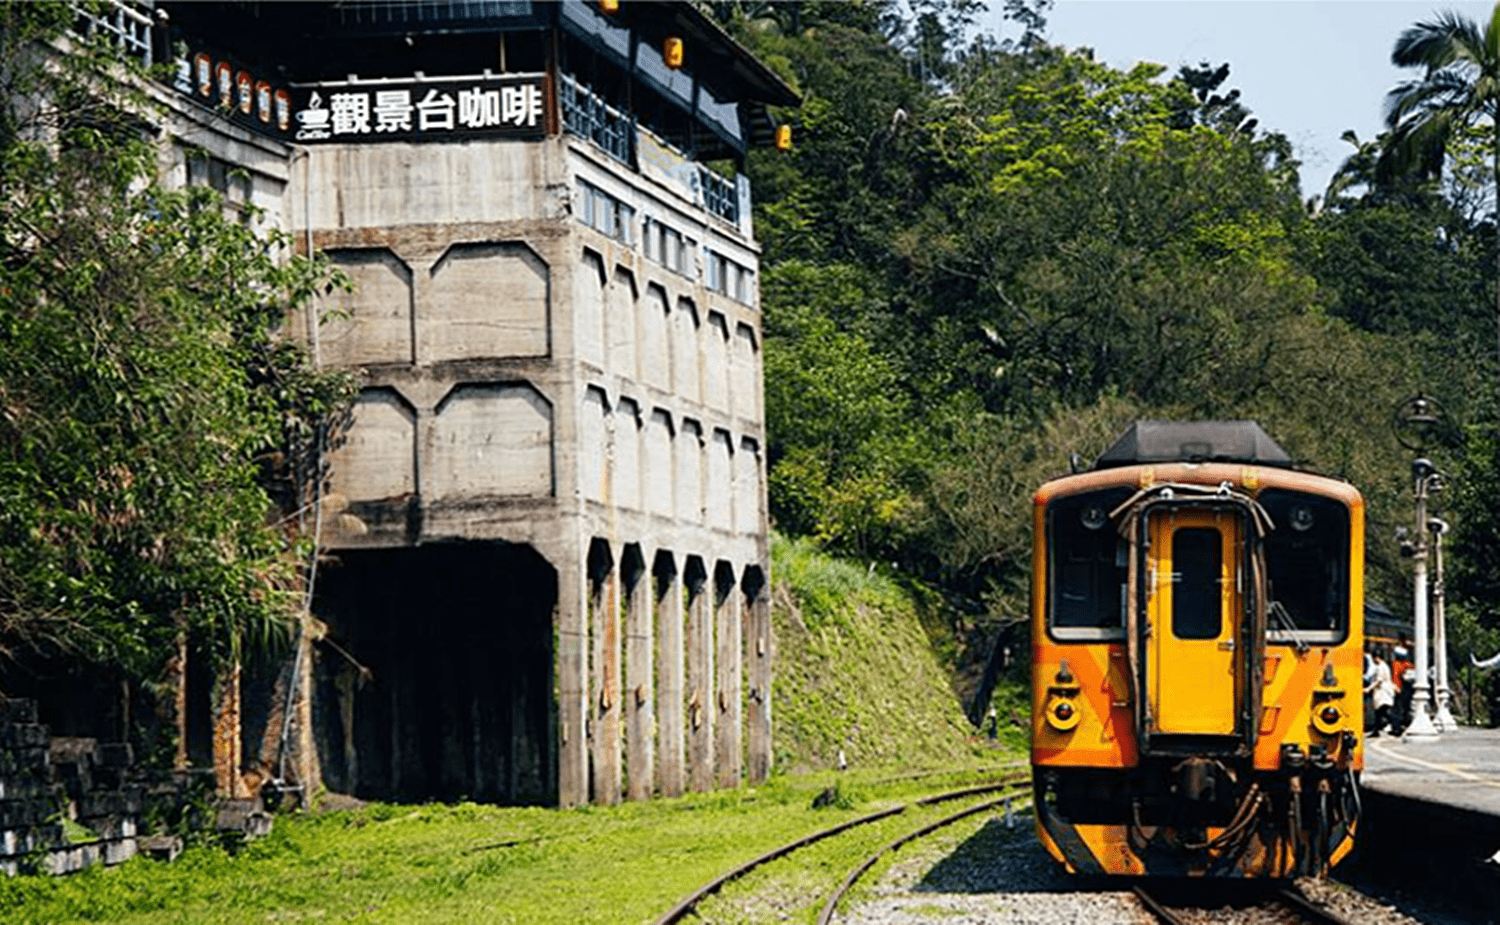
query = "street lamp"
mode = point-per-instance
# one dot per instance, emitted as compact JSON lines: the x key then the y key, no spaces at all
{"x":1417,"y":421}
{"x":1444,"y":719}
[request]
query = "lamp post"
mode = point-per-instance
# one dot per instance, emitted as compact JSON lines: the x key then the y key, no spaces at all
{"x":1421,"y":726}
{"x":1444,"y":718}
{"x":1418,"y":421}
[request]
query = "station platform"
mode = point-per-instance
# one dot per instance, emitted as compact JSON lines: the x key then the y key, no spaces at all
{"x":1431,"y":822}
{"x":1459,"y":769}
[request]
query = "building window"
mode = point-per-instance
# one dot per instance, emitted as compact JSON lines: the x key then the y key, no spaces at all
{"x":624,"y":224}
{"x":744,"y":286}
{"x":601,"y":211}
{"x":651,"y":239}
{"x":203,"y":169}
{"x":666,"y":245}
{"x":726,"y":277}
{"x":672,"y":256}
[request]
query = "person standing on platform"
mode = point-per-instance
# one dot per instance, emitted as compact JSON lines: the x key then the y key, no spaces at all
{"x":1404,"y":677}
{"x":1382,"y":693}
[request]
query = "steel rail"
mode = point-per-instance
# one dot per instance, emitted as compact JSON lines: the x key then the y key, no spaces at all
{"x":1293,"y":900}
{"x":1155,"y":907}
{"x":953,"y":772}
{"x":1313,"y":912}
{"x":831,"y":905}
{"x":679,"y":911}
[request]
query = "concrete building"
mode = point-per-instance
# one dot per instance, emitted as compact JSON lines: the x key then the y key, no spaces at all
{"x":544,"y":537}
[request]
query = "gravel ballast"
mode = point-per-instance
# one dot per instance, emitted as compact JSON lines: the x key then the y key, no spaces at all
{"x":986,"y":872}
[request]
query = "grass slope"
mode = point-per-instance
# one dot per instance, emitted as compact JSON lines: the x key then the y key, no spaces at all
{"x":858,"y":669}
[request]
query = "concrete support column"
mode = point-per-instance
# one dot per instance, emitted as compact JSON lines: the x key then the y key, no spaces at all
{"x":226,"y":746}
{"x":604,"y":626}
{"x":758,"y":657}
{"x":177,"y":667}
{"x":727,"y":658}
{"x":640,"y":686}
{"x":421,"y":298}
{"x":700,"y":675}
{"x":304,"y":762}
{"x":667,"y":590}
{"x":571,"y":618}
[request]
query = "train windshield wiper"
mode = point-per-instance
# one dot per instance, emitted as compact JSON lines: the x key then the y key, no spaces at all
{"x":1278,"y":612}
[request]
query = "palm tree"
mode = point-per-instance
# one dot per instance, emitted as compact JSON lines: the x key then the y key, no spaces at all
{"x":1459,"y":91}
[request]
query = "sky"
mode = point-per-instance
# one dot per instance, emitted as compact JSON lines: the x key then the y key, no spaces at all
{"x":1309,"y":69}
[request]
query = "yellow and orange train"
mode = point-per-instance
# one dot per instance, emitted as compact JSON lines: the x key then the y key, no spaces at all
{"x":1197,"y":609}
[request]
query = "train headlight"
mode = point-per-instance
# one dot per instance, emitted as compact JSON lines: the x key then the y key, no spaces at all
{"x":1062,"y":714}
{"x":1328,"y":719}
{"x":1302,"y":518}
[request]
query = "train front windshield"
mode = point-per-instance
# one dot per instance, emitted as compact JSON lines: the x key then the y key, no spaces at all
{"x":1307,"y":567}
{"x":1089,"y":562}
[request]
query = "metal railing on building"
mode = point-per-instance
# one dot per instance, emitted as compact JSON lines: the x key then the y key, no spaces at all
{"x":720,"y":197}
{"x":127,"y":22}
{"x":585,"y":114}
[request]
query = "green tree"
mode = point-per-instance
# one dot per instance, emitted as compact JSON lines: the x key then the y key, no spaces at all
{"x":1459,"y":90}
{"x":844,"y":447}
{"x":151,"y":415}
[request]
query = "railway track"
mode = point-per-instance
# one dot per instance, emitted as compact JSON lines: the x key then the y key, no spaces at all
{"x":1252,"y":903}
{"x":1008,"y":788}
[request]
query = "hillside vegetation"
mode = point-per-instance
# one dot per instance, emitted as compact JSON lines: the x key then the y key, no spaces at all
{"x":987,"y":252}
{"x":865,"y":667}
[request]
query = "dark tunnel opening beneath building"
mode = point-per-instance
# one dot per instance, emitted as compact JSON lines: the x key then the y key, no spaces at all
{"x":434,"y":681}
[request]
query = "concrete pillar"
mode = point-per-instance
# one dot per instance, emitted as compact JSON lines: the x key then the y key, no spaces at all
{"x":604,"y":626}
{"x":640,"y":687}
{"x":701,"y":704}
{"x":758,"y":657}
{"x":571,"y":618}
{"x":667,"y":590}
{"x":308,"y":769}
{"x":727,"y":658}
{"x":226,"y":710}
{"x":177,"y":667}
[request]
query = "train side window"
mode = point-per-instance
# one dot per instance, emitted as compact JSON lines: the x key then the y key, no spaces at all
{"x":1087,"y":563}
{"x":1307,"y":567}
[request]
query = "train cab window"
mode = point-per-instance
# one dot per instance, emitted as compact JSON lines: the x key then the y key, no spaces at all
{"x":1087,"y":561}
{"x":1197,"y":570}
{"x":1307,"y":567}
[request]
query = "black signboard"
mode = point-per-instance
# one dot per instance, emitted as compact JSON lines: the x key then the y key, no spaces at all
{"x":420,"y":110}
{"x":445,"y":109}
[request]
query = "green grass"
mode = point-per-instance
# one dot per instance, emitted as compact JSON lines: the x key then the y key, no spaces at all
{"x":458,"y":863}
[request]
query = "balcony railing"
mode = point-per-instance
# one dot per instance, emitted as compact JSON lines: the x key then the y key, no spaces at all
{"x":127,"y":22}
{"x":585,"y":114}
{"x":719,"y":195}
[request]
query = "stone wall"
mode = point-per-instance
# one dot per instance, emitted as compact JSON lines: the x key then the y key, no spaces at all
{"x":67,"y":803}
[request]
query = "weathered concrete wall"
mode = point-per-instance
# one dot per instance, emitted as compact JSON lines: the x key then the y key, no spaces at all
{"x":553,"y":396}
{"x":528,"y":378}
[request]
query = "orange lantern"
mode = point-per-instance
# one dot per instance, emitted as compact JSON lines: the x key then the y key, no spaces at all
{"x":671,"y":52}
{"x":783,"y":138}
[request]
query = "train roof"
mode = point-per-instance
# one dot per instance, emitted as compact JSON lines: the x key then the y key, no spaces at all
{"x":1194,"y":441}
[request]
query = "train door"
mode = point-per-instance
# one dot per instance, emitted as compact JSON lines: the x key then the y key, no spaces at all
{"x":1195,"y":606}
